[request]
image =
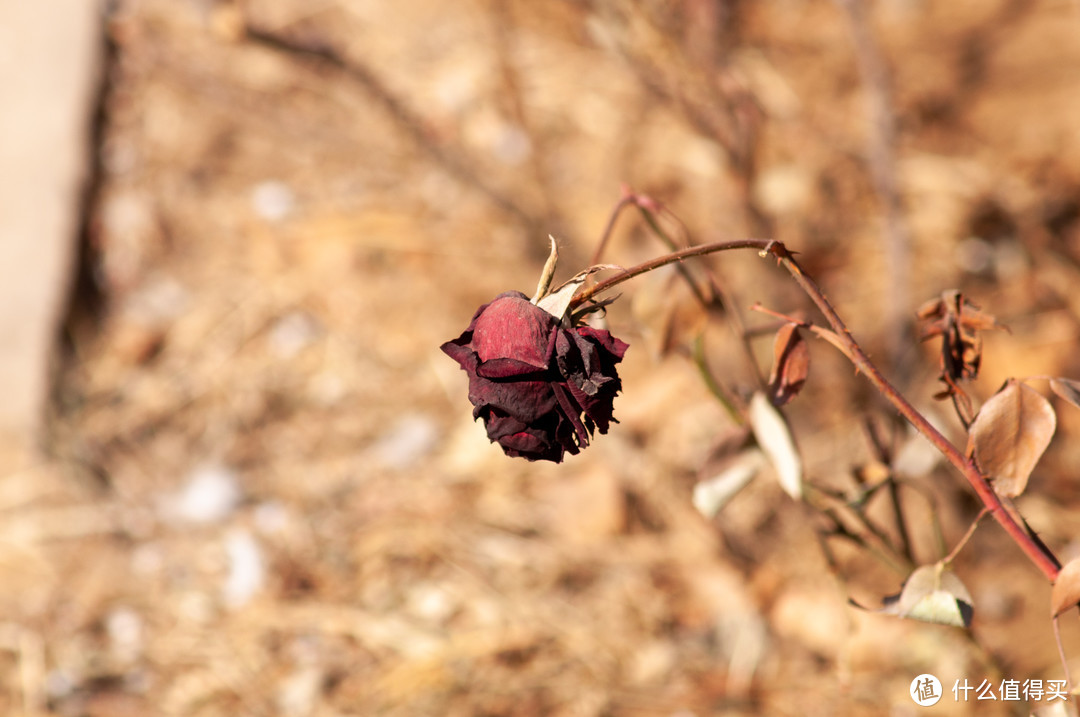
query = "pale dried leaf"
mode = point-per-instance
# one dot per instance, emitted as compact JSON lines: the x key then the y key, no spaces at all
{"x":712,"y":494}
{"x":1010,"y":434}
{"x":773,"y":435}
{"x":932,"y":594}
{"x":1067,"y":389}
{"x":1066,"y":591}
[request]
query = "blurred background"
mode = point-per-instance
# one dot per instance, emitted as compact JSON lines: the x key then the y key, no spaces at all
{"x":240,"y":478}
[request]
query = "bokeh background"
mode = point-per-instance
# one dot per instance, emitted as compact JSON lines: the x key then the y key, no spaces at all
{"x":258,"y":488}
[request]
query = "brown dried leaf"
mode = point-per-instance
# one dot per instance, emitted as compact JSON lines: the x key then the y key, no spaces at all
{"x":932,"y":594}
{"x":1010,"y":434}
{"x":1066,"y":591}
{"x":958,"y":322}
{"x":791,"y":364}
{"x":1067,"y":389}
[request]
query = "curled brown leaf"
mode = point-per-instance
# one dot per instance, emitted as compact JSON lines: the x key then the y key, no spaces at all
{"x":791,"y":364}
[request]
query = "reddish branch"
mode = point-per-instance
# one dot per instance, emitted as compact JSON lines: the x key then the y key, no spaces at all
{"x":1036,"y":551}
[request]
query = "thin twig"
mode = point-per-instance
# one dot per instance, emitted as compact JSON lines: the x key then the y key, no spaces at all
{"x":628,"y":198}
{"x":728,"y":402}
{"x":884,"y":454}
{"x":967,"y":536}
{"x":650,"y":219}
{"x":647,"y":266}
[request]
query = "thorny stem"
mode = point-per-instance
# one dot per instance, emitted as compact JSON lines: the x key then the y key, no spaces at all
{"x":647,"y":266}
{"x":1039,"y":554}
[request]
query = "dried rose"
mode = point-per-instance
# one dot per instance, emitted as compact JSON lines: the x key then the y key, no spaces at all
{"x":541,"y":389}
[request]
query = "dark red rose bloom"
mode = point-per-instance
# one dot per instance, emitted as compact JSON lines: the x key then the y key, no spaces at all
{"x":540,"y":388}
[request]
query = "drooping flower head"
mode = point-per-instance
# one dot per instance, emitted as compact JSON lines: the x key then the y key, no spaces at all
{"x":541,"y":387}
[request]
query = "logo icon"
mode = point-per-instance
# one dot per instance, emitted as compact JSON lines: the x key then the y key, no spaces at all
{"x":925,"y":690}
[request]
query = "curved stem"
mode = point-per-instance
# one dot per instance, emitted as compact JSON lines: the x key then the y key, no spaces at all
{"x":647,"y":266}
{"x":626,"y":200}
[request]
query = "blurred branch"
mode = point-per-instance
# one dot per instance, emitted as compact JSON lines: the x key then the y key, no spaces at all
{"x":410,"y":121}
{"x":693,"y":79}
{"x":502,"y":28}
{"x":881,"y":143}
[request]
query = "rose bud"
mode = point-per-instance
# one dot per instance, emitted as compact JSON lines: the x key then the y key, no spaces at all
{"x":541,"y":389}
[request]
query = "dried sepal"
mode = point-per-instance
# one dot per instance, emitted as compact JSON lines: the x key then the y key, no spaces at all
{"x":548,"y":273}
{"x":774,"y":437}
{"x":558,"y":300}
{"x":791,"y":364}
{"x":1010,"y":433}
